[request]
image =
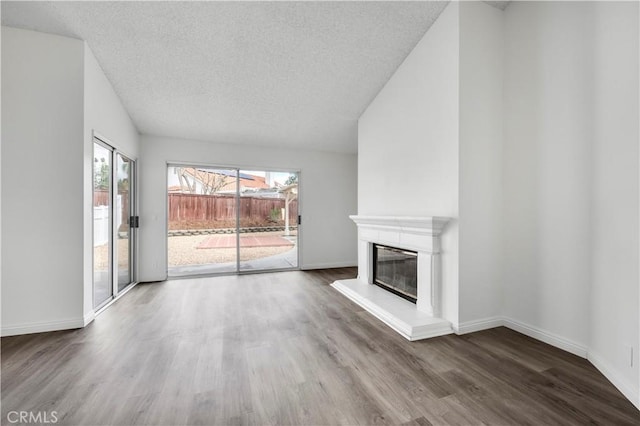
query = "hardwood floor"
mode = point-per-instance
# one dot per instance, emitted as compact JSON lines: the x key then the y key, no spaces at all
{"x":285,"y":348}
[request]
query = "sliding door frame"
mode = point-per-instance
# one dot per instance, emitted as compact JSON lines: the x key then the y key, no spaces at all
{"x":113,"y":232}
{"x":110,"y":241}
{"x":132,"y":213}
{"x":237,"y":169}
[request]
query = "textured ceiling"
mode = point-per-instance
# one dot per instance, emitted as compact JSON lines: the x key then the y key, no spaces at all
{"x":296,"y":74}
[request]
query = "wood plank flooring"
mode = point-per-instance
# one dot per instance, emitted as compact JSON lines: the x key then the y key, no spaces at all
{"x":285,"y":348}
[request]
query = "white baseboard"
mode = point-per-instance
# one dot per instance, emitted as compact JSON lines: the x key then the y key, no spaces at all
{"x":547,"y":337}
{"x":89,"y":317}
{"x":526,"y":329}
{"x":329,"y":265}
{"x":42,"y":327}
{"x":479,"y":325}
{"x":619,"y":382}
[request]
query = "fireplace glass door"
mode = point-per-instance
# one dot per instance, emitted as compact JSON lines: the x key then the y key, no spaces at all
{"x":396,"y":270}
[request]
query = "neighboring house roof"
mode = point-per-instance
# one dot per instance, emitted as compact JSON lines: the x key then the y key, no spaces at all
{"x":207,"y":176}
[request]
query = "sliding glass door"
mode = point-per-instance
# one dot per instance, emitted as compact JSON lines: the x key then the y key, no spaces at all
{"x":202,"y":235}
{"x":113,"y":232}
{"x":227,"y":220}
{"x":268,"y":225}
{"x":123,"y":215}
{"x":102,"y":213}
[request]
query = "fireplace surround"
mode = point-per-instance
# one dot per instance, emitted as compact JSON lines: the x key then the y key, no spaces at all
{"x":413,"y":234}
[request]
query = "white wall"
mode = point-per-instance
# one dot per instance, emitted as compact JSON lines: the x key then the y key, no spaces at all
{"x":481,"y":107}
{"x":571,"y":179}
{"x":104,"y":114}
{"x":408,"y":144}
{"x":547,"y":176}
{"x":327,"y":197}
{"x":548,"y":184}
{"x":54,"y":95}
{"x":42,"y":110}
{"x":614,"y":308}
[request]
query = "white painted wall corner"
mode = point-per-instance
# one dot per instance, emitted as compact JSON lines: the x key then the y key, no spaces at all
{"x":89,"y":317}
{"x":479,"y":325}
{"x":526,"y":329}
{"x":547,"y":337}
{"x":618,"y":381}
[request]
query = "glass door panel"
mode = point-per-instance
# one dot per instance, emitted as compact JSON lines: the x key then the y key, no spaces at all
{"x":268,"y":222}
{"x":124,"y":242}
{"x":102,"y":230}
{"x":202,"y":214}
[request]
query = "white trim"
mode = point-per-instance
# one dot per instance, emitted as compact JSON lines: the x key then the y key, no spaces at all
{"x":428,"y":225}
{"x":429,"y":332}
{"x":115,"y":299}
{"x":231,"y":166}
{"x":42,"y":327}
{"x":114,"y":146}
{"x":329,"y":265}
{"x":526,"y":329}
{"x":479,"y":325}
{"x":547,"y":337}
{"x":618,"y":381}
{"x":89,"y":317}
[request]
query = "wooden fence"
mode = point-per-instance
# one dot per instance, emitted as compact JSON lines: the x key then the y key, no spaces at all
{"x":101,"y":199}
{"x":212,"y":208}
{"x":194,"y":207}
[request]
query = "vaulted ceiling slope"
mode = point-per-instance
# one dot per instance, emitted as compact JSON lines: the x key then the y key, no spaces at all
{"x":289,"y":74}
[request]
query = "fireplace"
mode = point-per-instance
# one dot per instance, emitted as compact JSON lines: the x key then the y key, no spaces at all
{"x":402,"y":254}
{"x":396,"y":270}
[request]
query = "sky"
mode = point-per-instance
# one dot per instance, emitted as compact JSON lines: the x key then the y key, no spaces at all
{"x":280,"y":177}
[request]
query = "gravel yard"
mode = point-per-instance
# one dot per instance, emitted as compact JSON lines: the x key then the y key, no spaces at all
{"x":100,"y":255}
{"x":183,"y":251}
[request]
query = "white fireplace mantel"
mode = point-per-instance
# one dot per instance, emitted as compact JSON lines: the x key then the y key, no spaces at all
{"x":432,"y":225}
{"x":419,"y":234}
{"x":407,"y":232}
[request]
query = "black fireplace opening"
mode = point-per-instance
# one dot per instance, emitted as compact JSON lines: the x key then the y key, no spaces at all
{"x":396,"y":270}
